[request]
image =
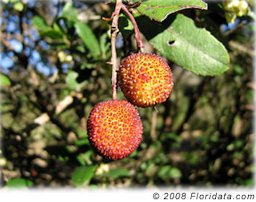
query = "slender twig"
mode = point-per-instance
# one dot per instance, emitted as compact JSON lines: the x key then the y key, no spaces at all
{"x":136,"y":29}
{"x":114,"y":31}
{"x":241,"y":48}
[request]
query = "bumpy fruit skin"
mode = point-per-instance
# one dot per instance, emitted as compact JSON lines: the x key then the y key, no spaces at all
{"x":114,"y":128}
{"x":145,"y":79}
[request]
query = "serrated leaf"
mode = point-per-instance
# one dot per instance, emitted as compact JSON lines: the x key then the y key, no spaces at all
{"x":116,"y":173}
{"x":159,"y":9}
{"x":19,"y":183}
{"x":4,"y":80}
{"x":192,"y":48}
{"x":88,"y":38}
{"x":83,"y":175}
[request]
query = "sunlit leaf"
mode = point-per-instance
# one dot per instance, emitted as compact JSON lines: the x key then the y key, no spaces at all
{"x":83,"y":175}
{"x":117,"y":173}
{"x":88,"y":37}
{"x":166,"y":172}
{"x":19,"y":183}
{"x":192,"y":48}
{"x":159,"y":9}
{"x":175,"y":173}
{"x":4,"y":80}
{"x":52,"y":34}
{"x":85,"y":158}
{"x":71,"y":80}
{"x":39,"y":23}
{"x":69,"y":12}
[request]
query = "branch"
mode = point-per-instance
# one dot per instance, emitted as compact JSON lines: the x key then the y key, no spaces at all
{"x":60,"y":107}
{"x":136,"y":29}
{"x":241,"y":48}
{"x":114,"y":31}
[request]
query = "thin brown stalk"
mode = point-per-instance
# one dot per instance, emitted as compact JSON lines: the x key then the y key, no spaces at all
{"x":136,"y":29}
{"x":114,"y":31}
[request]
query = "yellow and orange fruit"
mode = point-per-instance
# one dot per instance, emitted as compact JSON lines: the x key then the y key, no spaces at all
{"x":145,"y":79}
{"x":114,"y":128}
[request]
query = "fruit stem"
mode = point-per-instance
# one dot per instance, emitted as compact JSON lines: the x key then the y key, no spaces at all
{"x":136,"y":29}
{"x":114,"y":31}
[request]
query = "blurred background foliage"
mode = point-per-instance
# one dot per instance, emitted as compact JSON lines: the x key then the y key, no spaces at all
{"x":54,"y":69}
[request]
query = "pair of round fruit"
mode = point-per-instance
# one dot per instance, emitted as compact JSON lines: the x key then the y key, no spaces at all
{"x":114,"y":126}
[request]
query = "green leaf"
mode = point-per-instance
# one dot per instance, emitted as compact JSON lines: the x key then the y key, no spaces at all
{"x":83,"y":175}
{"x":175,"y":173}
{"x":19,"y":183}
{"x":192,"y":158}
{"x":82,"y":134}
{"x":45,"y":30}
{"x":71,"y":80}
{"x":159,"y":9}
{"x":52,"y":34}
{"x":39,"y":23}
{"x":116,"y":173}
{"x":193,"y":48}
{"x":88,"y":38}
{"x":168,"y":171}
{"x":85,"y":158}
{"x":163,"y":172}
{"x":82,"y":142}
{"x":69,"y":12}
{"x":4,"y":80}
{"x":248,"y":182}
